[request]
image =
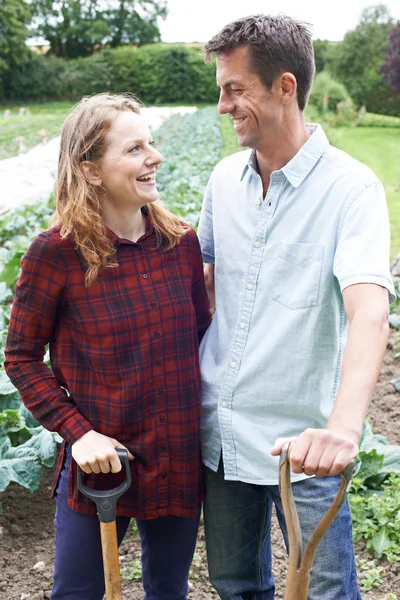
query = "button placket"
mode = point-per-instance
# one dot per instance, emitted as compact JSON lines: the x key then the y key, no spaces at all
{"x":159,"y":389}
{"x":240,"y":335}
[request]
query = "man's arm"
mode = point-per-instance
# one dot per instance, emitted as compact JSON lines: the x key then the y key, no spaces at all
{"x":324,"y":452}
{"x":209,"y":270}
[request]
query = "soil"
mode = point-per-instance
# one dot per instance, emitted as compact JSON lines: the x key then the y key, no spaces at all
{"x":26,"y":527}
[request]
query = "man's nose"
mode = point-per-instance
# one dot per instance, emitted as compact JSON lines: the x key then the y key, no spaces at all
{"x":225,"y":105}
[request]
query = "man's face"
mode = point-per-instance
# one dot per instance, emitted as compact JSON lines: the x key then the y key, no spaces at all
{"x":255,"y":111}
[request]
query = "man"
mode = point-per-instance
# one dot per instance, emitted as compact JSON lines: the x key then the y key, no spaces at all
{"x":296,"y":237}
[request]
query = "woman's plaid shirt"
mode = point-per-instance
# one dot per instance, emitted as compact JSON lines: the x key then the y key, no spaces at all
{"x":124,"y":357}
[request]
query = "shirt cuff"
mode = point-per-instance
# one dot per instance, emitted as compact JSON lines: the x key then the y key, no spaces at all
{"x":74,"y":428}
{"x":382,"y":281}
{"x":207,"y":258}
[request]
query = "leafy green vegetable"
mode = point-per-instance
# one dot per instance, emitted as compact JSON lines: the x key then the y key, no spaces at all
{"x":19,"y":464}
{"x":378,"y":459}
{"x":375,"y":503}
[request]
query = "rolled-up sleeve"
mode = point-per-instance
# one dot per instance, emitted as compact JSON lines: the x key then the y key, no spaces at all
{"x":206,"y":229}
{"x":362,"y":252}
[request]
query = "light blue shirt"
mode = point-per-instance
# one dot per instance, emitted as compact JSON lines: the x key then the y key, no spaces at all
{"x":271,"y":359}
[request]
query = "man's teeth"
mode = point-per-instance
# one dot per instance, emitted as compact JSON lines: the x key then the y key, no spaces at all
{"x":237,"y":121}
{"x":147,"y":177}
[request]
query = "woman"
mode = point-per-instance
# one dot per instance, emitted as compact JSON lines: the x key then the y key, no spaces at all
{"x":116,"y":288}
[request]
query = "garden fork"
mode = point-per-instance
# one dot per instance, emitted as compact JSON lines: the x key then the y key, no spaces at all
{"x":106,"y":503}
{"x":300,"y":564}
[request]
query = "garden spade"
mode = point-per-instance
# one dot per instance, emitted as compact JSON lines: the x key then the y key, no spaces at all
{"x":300,"y":563}
{"x":106,"y":503}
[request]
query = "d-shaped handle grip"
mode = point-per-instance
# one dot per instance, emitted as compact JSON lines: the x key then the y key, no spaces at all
{"x":106,"y":500}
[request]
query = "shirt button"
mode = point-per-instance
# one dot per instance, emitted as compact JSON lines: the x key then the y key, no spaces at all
{"x":145,"y":276}
{"x":258,"y":201}
{"x":158,"y":363}
{"x":157,"y":335}
{"x":153,"y":304}
{"x":163,"y":448}
{"x":162,"y":419}
{"x":242,"y":325}
{"x":233,"y":364}
{"x":257,"y":244}
{"x":249,"y":286}
{"x":160,"y":391}
{"x":224,"y":404}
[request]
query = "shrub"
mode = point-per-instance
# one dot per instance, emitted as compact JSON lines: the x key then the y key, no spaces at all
{"x":164,"y":74}
{"x":38,"y":79}
{"x":86,"y":76}
{"x":156,"y":73}
{"x":374,"y":120}
{"x":327,"y":93}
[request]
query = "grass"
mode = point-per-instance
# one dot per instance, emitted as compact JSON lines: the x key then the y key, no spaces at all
{"x":49,"y":116}
{"x":377,"y":147}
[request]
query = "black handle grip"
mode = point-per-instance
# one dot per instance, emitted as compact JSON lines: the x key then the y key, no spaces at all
{"x":106,"y":500}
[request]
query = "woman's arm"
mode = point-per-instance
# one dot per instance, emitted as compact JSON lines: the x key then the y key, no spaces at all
{"x":39,"y":295}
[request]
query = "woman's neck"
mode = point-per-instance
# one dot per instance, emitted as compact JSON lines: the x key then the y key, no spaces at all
{"x":126,"y":224}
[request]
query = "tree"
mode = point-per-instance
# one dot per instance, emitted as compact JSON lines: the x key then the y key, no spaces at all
{"x":76,"y":28}
{"x":357,"y":59}
{"x":391,"y":66}
{"x":321,"y":49}
{"x":14,"y":17}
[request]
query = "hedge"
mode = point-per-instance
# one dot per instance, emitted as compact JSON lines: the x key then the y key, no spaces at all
{"x":157,"y":73}
{"x":375,"y":120}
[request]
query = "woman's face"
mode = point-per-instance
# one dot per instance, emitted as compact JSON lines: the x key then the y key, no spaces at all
{"x":128,"y":167}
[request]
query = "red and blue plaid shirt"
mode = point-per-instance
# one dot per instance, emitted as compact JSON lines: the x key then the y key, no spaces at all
{"x":124,"y":357}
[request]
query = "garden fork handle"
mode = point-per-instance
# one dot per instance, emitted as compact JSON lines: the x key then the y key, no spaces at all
{"x":109,"y":548}
{"x":300,"y":564}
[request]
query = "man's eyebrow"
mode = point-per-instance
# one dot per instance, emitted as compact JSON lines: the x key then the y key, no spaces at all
{"x":229,"y":83}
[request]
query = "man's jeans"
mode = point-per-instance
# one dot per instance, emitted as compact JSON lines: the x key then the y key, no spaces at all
{"x":237,"y":519}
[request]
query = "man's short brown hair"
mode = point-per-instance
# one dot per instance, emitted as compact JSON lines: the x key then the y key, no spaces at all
{"x":277,"y":44}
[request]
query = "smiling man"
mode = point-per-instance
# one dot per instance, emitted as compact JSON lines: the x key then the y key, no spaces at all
{"x":295,"y":235}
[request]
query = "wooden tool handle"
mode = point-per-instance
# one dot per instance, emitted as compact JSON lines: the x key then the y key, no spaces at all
{"x":300,"y":564}
{"x":109,"y":546}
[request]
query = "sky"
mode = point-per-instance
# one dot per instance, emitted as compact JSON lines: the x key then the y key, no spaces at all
{"x":198,"y":20}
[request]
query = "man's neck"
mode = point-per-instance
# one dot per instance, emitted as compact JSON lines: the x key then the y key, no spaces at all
{"x":285,"y":145}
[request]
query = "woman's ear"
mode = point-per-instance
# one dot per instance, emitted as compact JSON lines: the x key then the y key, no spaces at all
{"x":91,"y":172}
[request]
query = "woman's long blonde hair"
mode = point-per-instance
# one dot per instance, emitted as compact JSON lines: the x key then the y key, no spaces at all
{"x":78,"y":207}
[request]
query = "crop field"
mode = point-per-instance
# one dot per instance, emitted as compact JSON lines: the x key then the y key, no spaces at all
{"x":191,"y":146}
{"x":47,"y":117}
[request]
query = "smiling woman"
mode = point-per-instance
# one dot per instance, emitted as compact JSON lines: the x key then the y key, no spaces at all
{"x":116,"y":288}
{"x":126,"y":172}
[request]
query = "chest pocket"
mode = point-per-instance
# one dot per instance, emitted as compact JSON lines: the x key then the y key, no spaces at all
{"x":298,"y":275}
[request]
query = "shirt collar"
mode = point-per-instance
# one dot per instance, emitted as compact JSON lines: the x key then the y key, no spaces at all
{"x":297,"y":169}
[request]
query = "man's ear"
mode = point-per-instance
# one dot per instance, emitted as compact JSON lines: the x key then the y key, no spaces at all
{"x":288,"y":85}
{"x":91,"y":172}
